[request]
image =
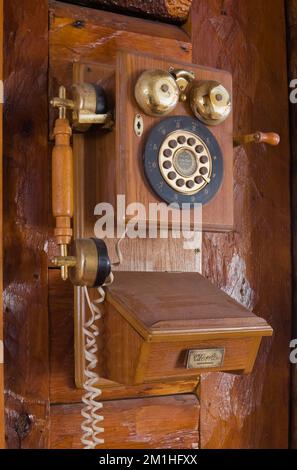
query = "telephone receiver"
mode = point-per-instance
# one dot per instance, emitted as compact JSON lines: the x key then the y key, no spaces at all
{"x":89,"y":265}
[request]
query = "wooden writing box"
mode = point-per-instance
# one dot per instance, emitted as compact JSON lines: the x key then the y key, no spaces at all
{"x":167,"y":326}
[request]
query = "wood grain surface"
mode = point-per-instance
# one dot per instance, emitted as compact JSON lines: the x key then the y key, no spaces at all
{"x":72,"y":43}
{"x":253,"y":264}
{"x":217,"y":214}
{"x":150,"y":423}
{"x":1,"y":236}
{"x":292,"y":67}
{"x":166,"y":10}
{"x":151,"y":321}
{"x":62,"y":381}
{"x":25,"y":222}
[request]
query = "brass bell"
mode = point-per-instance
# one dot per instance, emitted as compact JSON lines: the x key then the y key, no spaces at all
{"x":210,"y":102}
{"x":156,"y":92}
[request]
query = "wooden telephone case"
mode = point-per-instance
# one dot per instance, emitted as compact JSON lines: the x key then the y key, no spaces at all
{"x":133,"y":344}
{"x":120,"y":151}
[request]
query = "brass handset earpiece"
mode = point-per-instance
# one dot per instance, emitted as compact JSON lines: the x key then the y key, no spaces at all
{"x":88,"y":106}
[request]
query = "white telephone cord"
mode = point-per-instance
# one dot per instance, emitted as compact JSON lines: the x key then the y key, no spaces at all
{"x":90,"y":412}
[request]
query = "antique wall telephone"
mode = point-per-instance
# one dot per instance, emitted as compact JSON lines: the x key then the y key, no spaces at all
{"x":169,"y":138}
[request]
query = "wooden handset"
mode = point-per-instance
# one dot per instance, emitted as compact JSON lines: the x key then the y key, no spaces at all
{"x":88,"y":107}
{"x":62,"y":183}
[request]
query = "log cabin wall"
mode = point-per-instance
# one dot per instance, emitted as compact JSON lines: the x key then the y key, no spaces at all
{"x":252,"y":264}
{"x":292,"y":66}
{"x":1,"y":238}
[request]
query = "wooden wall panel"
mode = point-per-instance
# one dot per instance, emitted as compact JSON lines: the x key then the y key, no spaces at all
{"x":1,"y":237}
{"x":151,"y":423}
{"x":25,"y":222}
{"x":252,"y":264}
{"x":166,"y":10}
{"x":292,"y":65}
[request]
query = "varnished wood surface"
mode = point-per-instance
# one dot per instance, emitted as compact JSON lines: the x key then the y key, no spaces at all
{"x":151,"y":423}
{"x":253,"y":264}
{"x":74,"y":30}
{"x":1,"y":240}
{"x":165,"y":10}
{"x":26,"y":209}
{"x":292,"y":67}
{"x":69,"y":44}
{"x":152,"y":320}
{"x":217,"y":214}
{"x":170,"y":301}
{"x":62,"y":182}
{"x":62,"y":382}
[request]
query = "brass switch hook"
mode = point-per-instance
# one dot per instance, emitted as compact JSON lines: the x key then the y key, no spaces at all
{"x":88,"y":106}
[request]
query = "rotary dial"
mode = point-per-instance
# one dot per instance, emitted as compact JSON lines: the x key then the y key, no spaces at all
{"x":183,"y":161}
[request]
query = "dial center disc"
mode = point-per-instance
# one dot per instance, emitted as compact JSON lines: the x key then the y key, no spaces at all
{"x":185,"y":162}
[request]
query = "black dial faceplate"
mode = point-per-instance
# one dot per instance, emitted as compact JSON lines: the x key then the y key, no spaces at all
{"x":151,"y":160}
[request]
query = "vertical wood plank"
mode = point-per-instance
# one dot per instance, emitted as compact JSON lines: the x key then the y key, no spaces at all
{"x":252,"y":264}
{"x":1,"y":237}
{"x":292,"y":67}
{"x":25,"y":222}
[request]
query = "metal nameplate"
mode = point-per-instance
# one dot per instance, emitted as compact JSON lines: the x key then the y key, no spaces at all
{"x":204,"y":358}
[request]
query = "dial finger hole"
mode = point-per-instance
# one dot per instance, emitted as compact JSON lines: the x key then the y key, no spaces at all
{"x":167,"y":165}
{"x":167,"y":153}
{"x":204,"y":159}
{"x":199,"y":179}
{"x":191,"y":141}
{"x":171,"y":175}
{"x":172,"y":143}
{"x":180,"y":182}
{"x":199,"y":148}
{"x":181,"y":139}
{"x":190,"y":184}
{"x":203,"y":170}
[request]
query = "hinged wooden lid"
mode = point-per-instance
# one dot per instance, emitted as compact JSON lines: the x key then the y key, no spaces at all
{"x":175,"y":304}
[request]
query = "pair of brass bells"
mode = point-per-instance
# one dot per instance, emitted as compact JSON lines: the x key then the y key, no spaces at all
{"x":157,"y":92}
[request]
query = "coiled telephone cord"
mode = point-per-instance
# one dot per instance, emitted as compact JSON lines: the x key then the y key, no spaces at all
{"x":91,"y":426}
